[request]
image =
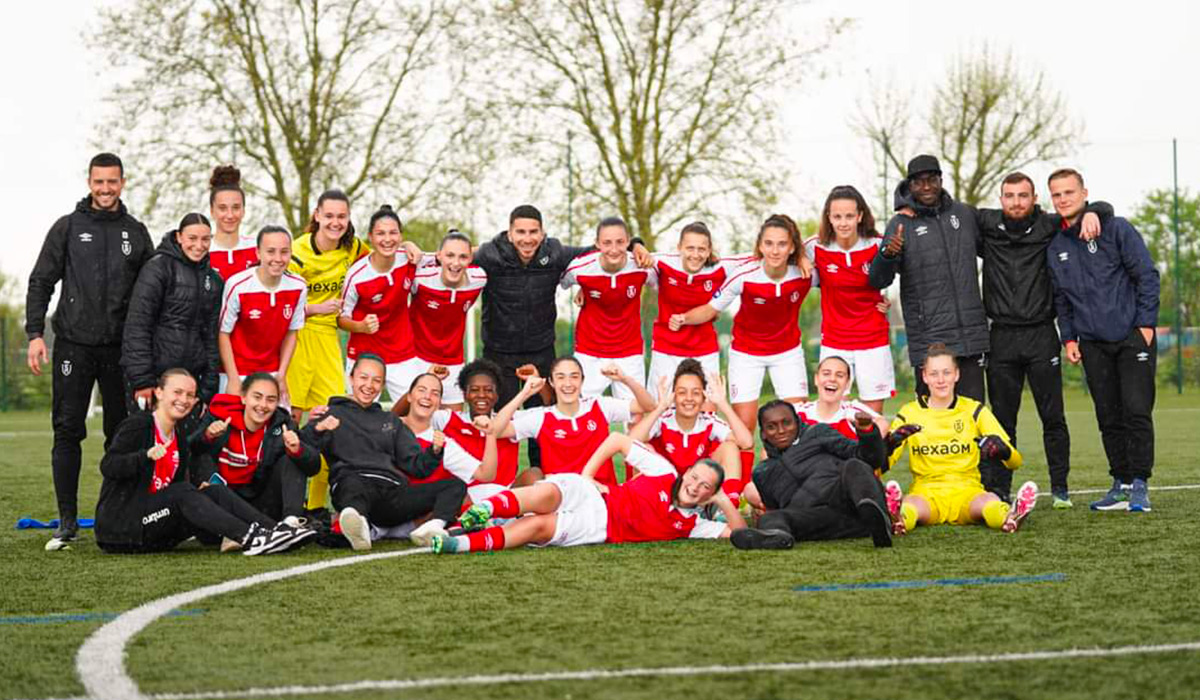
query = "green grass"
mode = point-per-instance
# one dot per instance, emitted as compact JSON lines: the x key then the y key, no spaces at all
{"x":1129,"y":581}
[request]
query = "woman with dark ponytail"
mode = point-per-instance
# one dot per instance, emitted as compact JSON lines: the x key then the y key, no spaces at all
{"x":230,"y":252}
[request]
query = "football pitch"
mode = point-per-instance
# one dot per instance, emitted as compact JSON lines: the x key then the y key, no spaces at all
{"x":1076,"y":605}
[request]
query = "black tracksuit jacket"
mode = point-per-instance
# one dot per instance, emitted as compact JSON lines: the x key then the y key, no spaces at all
{"x":370,"y":441}
{"x":806,"y":473}
{"x":97,"y":255}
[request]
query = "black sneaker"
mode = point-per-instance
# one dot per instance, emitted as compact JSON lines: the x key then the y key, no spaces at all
{"x":751,"y":538}
{"x":66,"y":533}
{"x":298,"y":534}
{"x":260,"y":540}
{"x":877,"y":521}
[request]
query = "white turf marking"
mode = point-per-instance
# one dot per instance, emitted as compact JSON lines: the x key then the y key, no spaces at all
{"x":100,"y":662}
{"x":1177,"y":487}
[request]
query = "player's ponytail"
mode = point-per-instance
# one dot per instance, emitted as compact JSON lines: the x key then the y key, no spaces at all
{"x":385,"y":211}
{"x":225,"y":178}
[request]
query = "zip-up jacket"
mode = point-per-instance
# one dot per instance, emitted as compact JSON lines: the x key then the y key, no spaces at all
{"x":97,"y":255}
{"x":1017,"y":290}
{"x":173,"y":319}
{"x":372,"y":442}
{"x":1104,"y":288}
{"x":939,"y":278}
{"x":231,"y":408}
{"x":128,"y":473}
{"x":807,"y":471}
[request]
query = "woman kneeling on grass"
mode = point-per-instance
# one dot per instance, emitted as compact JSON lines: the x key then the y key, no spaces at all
{"x":575,"y":509}
{"x":147,"y":503}
{"x":956,"y":432}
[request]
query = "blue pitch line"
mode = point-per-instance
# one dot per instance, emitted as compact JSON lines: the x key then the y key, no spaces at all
{"x":82,"y":617}
{"x":980,"y":581}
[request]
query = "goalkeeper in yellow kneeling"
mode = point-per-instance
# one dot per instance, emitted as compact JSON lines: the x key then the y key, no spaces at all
{"x":956,"y":432}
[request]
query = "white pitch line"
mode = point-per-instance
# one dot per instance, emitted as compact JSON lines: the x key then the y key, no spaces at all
{"x":1176,"y":487}
{"x":677,"y":671}
{"x":100,"y":661}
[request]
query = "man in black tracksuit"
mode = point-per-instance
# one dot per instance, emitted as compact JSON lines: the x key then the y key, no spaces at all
{"x":1106,"y":292}
{"x":519,"y":313}
{"x":96,"y":251}
{"x":373,"y":458}
{"x":934,"y":252}
{"x":1019,"y":298}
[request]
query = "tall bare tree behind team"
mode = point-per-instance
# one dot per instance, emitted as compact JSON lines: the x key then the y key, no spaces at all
{"x":303,"y":94}
{"x":675,"y":102}
{"x":987,"y":117}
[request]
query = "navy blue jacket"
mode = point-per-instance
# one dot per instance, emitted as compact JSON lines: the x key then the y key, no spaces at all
{"x":1104,"y":288}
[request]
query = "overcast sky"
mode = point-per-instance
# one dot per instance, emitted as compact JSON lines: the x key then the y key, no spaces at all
{"x":1127,"y":68}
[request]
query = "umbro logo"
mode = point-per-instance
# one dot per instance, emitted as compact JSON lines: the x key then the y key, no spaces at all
{"x":672,"y":281}
{"x":922,"y":230}
{"x":1143,"y":356}
{"x":670,"y":449}
{"x":377,"y":298}
{"x":1054,"y":361}
{"x":255,"y":314}
{"x":759,"y":300}
{"x":595,"y":294}
{"x":1063,"y":256}
{"x":831,"y":268}
{"x":560,"y":434}
{"x":85,"y":237}
{"x":432,"y":303}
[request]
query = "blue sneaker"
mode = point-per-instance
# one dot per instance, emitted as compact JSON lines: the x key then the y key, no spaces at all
{"x":1117,"y":498}
{"x":1139,"y":497}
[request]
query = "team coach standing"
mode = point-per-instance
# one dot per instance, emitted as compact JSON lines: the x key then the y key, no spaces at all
{"x":519,"y":314}
{"x":96,"y":251}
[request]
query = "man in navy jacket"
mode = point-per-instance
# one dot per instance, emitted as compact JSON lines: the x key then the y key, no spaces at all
{"x":1106,"y":295}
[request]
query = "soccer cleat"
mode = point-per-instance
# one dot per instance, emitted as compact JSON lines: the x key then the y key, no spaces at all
{"x":877,"y":521}
{"x":1117,"y":498}
{"x":1025,"y":502}
{"x":355,"y":529}
{"x":895,"y":499}
{"x":260,"y":540}
{"x":423,"y":535}
{"x":1139,"y":497}
{"x":475,"y":518}
{"x":66,"y":533}
{"x":752,"y":538}
{"x":443,"y":544}
{"x":1062,"y":501}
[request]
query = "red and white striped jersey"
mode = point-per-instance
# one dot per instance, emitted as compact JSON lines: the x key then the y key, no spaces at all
{"x":610,"y":324}
{"x":439,"y":313}
{"x":849,"y":319}
{"x":385,"y":294}
{"x":684,"y":448}
{"x":768,"y":321}
{"x":842,"y":421}
{"x":567,"y":442}
{"x":229,"y":261}
{"x":642,"y":510}
{"x":680,"y":292}
{"x":257,"y":318}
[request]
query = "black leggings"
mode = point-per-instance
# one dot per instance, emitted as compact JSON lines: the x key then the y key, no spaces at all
{"x":181,"y":511}
{"x":387,"y":503}
{"x":832,"y":515}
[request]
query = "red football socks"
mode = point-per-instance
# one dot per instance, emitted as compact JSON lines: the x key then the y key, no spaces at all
{"x":504,"y":505}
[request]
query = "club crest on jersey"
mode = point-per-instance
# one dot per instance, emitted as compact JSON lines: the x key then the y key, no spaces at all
{"x":795,"y":297}
{"x":662,"y":496}
{"x":466,"y":306}
{"x":278,"y":430}
{"x":377,"y":298}
{"x":708,"y":285}
{"x":591,"y":425}
{"x":287,"y":311}
{"x":207,"y":283}
{"x":699,"y":450}
{"x":866,"y":268}
{"x":954,"y":221}
{"x":126,"y":248}
{"x":544,"y":261}
{"x":66,"y":368}
{"x":1092,"y":247}
{"x":407,"y":283}
{"x":631,"y":291}
{"x":85,"y":237}
{"x":672,"y":281}
{"x":255,"y":314}
{"x":958,"y":425}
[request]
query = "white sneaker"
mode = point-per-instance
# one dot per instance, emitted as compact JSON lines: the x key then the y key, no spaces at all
{"x":423,"y":536}
{"x":355,"y":529}
{"x":1023,"y":504}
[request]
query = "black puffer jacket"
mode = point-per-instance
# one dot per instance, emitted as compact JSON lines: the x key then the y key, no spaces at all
{"x":127,"y":475}
{"x":518,"y":301}
{"x":806,"y":472}
{"x":97,"y":255}
{"x":172,"y":320}
{"x":939,"y":276}
{"x":1017,"y":290}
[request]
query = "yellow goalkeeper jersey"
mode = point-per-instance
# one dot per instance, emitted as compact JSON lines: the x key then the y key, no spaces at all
{"x":945,"y":452}
{"x":324,"y":272}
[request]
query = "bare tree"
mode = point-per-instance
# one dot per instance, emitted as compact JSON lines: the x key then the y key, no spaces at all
{"x":301,"y":94}
{"x":988,"y":117}
{"x":676,"y":100}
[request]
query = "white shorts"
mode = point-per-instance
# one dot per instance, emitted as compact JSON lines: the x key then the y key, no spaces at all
{"x":871,"y":370}
{"x":450,"y":391}
{"x":582,"y":515}
{"x":482,"y":492}
{"x":400,"y":376}
{"x":664,"y":365}
{"x":788,"y":374}
{"x":594,"y":383}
